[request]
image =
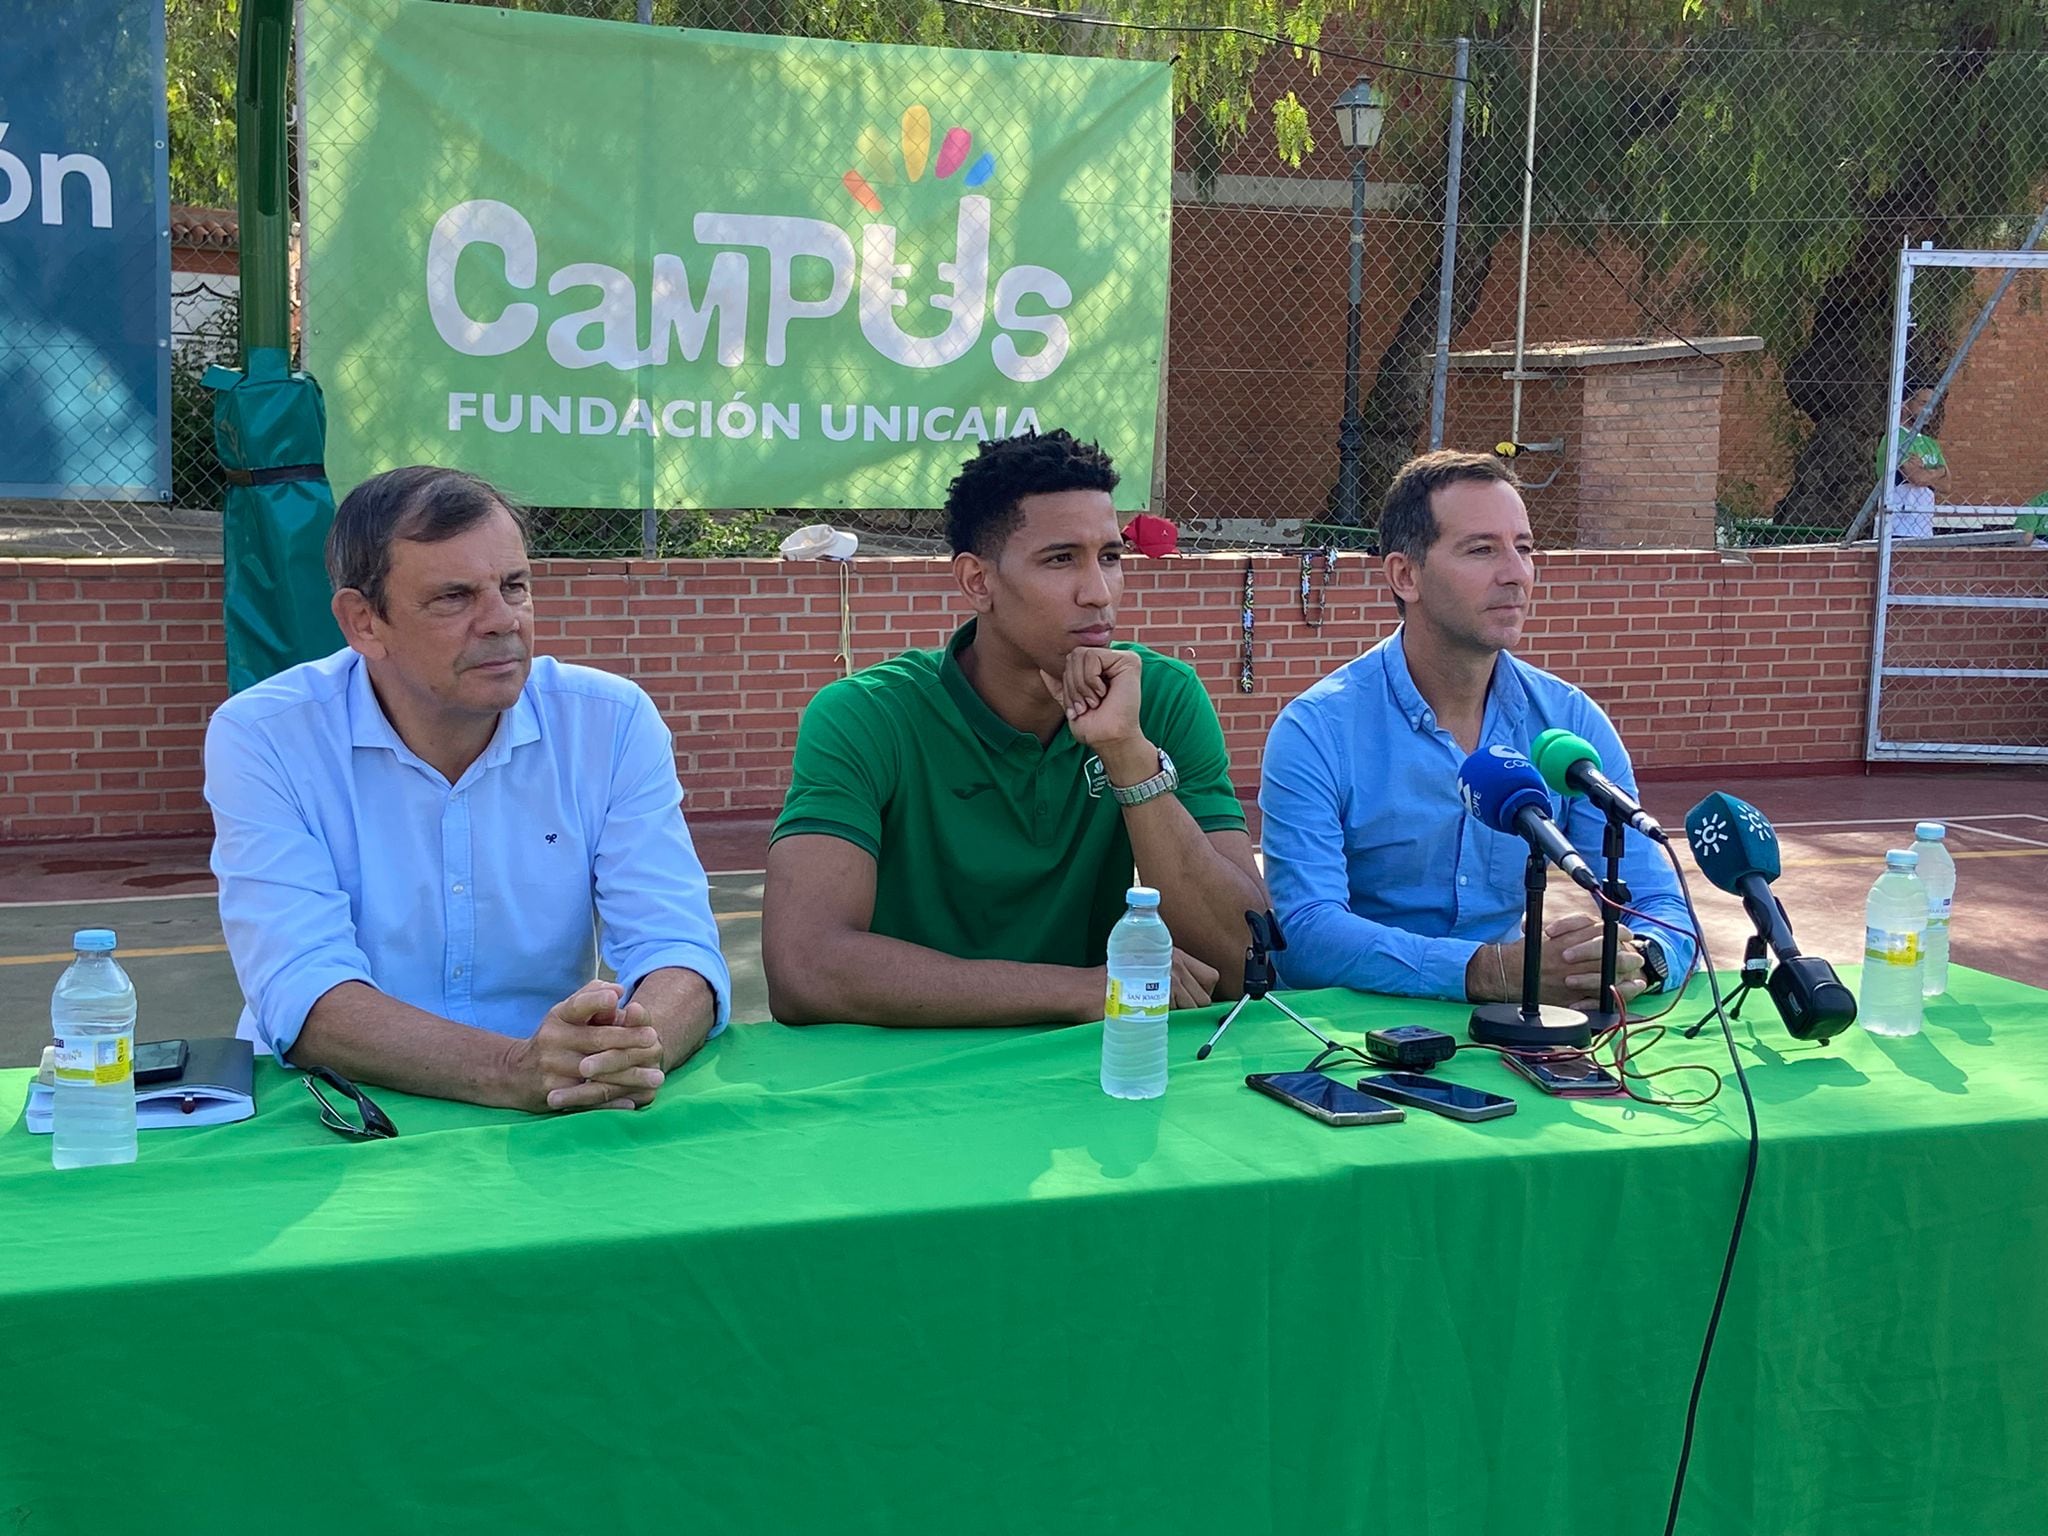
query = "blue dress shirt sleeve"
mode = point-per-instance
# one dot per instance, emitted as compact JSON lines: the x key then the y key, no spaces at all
{"x":1301,"y":800}
{"x":653,"y":900}
{"x":1653,"y":888}
{"x":289,"y":928}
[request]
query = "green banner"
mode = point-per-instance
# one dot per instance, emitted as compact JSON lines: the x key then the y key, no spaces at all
{"x":616,"y":266}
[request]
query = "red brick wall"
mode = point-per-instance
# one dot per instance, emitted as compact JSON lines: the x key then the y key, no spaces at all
{"x":108,"y":669}
{"x":1651,"y":436}
{"x":1256,"y":338}
{"x":1987,"y":433}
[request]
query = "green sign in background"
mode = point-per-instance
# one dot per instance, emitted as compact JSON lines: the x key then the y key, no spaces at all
{"x":518,"y":226}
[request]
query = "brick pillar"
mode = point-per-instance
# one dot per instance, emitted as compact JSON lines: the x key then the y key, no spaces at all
{"x":1649,"y":452}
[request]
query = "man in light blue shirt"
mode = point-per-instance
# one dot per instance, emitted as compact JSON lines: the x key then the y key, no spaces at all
{"x":1381,"y":880}
{"x":414,"y":836}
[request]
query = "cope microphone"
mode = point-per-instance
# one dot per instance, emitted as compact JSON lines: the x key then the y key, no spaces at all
{"x":1737,"y":850}
{"x":1570,"y":766}
{"x":1502,"y":789}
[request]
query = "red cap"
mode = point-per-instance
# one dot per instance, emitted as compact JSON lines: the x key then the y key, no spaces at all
{"x":1149,"y":535}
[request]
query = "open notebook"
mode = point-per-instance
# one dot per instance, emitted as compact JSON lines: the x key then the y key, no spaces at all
{"x":217,"y":1086}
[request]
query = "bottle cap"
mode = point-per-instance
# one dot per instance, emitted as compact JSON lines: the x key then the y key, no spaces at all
{"x":1930,"y":831}
{"x":1902,"y":858}
{"x":1143,"y":896}
{"x":94,"y":941}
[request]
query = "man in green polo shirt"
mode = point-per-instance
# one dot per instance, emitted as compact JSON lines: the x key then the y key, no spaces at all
{"x":962,"y":824}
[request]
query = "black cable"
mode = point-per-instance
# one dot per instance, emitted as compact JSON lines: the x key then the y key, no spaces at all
{"x":1556,"y":212}
{"x":1699,"y":1379}
{"x":1224,"y":29}
{"x":1202,"y":28}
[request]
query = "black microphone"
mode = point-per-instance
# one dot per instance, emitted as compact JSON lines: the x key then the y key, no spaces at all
{"x":1570,"y":765}
{"x":1737,"y":849}
{"x":1502,"y":789}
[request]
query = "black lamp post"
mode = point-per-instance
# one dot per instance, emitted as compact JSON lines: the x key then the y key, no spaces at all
{"x":1361,"y":115}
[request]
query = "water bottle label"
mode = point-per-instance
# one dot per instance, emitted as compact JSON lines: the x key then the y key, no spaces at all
{"x":99,"y":1061}
{"x":1881,"y":947}
{"x":1136,"y":996}
{"x":1938,"y":911}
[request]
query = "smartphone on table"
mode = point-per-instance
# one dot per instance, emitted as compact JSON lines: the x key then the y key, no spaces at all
{"x":160,"y":1061}
{"x":1452,"y":1100}
{"x":1567,"y":1077}
{"x":1322,"y":1097}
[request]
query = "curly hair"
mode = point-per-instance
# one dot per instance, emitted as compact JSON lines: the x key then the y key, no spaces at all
{"x":982,"y":504}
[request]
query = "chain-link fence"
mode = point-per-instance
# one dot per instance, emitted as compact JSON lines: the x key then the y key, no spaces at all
{"x":1705,"y":318}
{"x":1716,"y":230}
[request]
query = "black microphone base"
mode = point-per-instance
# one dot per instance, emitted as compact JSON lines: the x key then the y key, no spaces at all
{"x":1549,"y":1028}
{"x":1603,"y":1019}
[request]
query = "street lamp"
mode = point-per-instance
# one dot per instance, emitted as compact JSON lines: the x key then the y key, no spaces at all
{"x":1361,"y":116}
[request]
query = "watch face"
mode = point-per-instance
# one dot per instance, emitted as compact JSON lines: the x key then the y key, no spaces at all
{"x":1654,"y":965}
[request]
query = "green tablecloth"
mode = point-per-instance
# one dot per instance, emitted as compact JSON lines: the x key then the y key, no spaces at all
{"x":851,"y":1280}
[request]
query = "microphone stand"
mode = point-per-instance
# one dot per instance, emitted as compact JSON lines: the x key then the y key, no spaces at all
{"x":1756,"y":969}
{"x":1531,"y":1025}
{"x":1260,"y":977}
{"x":1616,"y":891}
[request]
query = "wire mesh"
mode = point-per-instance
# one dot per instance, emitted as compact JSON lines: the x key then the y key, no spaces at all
{"x":1707,"y":313}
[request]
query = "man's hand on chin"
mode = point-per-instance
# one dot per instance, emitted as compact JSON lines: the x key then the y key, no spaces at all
{"x":1100,"y":691}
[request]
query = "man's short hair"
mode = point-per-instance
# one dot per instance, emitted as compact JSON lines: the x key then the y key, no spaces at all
{"x":1408,"y":524}
{"x":423,"y":503}
{"x":982,"y":502}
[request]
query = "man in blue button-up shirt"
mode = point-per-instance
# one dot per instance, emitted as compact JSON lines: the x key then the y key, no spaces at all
{"x":1382,"y":881}
{"x":414,"y":836}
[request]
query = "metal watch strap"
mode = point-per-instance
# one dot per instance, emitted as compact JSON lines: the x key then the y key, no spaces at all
{"x":1165,"y":780}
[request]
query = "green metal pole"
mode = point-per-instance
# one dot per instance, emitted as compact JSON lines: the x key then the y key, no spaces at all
{"x":261,"y":164}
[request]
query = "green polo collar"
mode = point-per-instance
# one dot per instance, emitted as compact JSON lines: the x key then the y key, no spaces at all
{"x":992,"y":728}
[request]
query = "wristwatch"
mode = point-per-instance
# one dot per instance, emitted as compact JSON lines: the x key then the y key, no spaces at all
{"x":1162,"y":782}
{"x":1656,"y":968}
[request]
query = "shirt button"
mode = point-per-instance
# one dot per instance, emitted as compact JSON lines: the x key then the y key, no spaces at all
{"x":457,"y":887}
{"x":1461,"y":879}
{"x":456,"y":973}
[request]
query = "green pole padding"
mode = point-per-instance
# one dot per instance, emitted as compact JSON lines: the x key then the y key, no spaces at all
{"x":269,"y":422}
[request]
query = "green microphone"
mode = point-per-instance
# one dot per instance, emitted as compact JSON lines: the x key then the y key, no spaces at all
{"x":1570,"y":766}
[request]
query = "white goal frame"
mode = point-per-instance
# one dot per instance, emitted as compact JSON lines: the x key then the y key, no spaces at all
{"x":1877,"y":746}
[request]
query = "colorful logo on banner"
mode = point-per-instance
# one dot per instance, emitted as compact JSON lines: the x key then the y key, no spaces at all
{"x":661,"y":291}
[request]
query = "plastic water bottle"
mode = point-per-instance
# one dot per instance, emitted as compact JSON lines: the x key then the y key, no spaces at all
{"x":92,"y":1016}
{"x":1140,"y":994}
{"x":1894,"y":933}
{"x":1938,"y":874}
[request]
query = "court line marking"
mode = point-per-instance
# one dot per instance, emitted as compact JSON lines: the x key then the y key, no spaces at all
{"x":1898,"y":821}
{"x":111,"y":901}
{"x":55,"y":956}
{"x":1960,"y":855}
{"x":2010,"y":837}
{"x":214,"y":894}
{"x":125,"y":954}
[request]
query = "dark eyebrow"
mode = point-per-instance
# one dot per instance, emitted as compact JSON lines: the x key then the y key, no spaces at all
{"x":453,"y":589}
{"x":1070,"y":545}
